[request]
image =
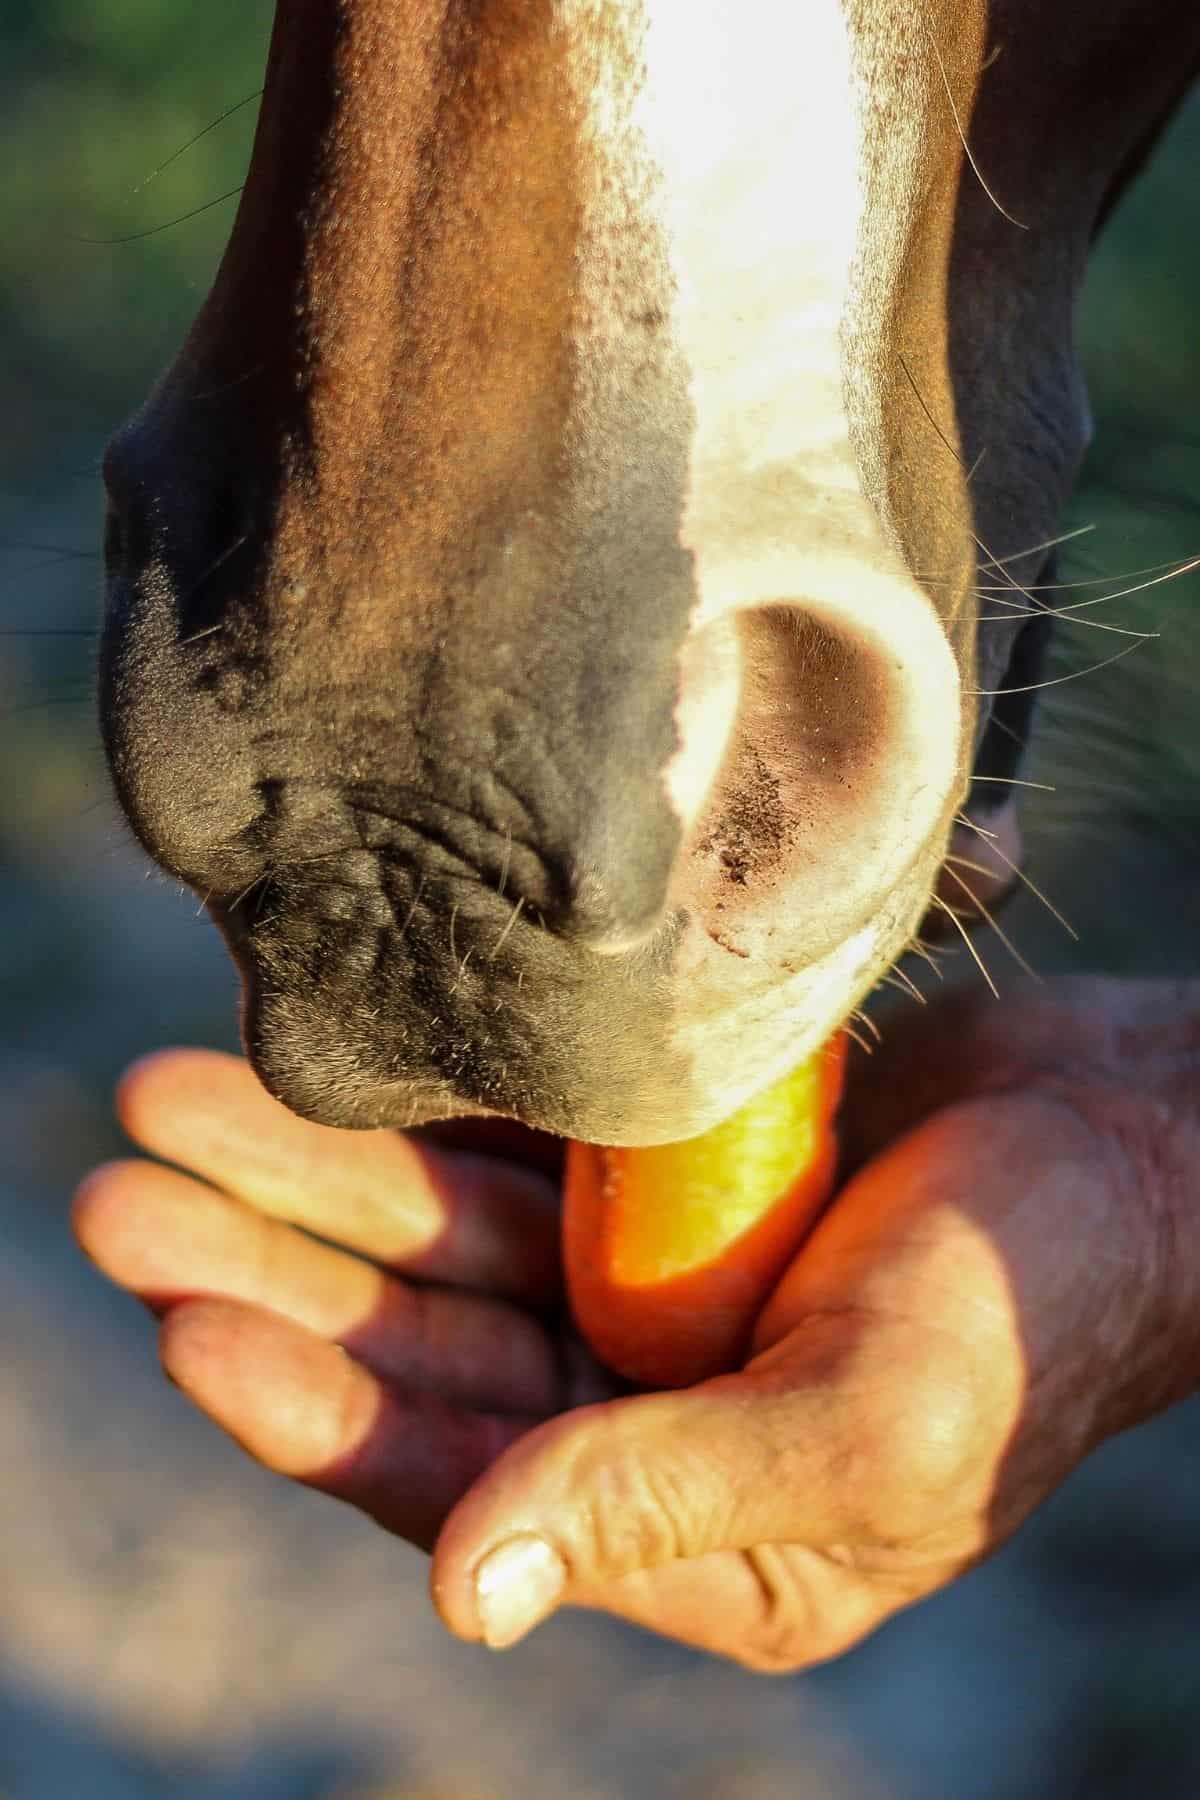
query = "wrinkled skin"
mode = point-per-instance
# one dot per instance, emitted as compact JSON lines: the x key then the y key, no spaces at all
{"x":1009,"y":1276}
{"x":542,"y":620}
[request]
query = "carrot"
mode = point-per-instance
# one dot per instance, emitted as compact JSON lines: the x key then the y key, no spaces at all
{"x":671,"y":1251}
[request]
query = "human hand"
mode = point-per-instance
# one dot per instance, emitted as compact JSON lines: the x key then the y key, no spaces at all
{"x":988,"y":1298}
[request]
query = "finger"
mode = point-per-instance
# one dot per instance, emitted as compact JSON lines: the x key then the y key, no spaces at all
{"x":443,"y":1215}
{"x":595,"y":1497}
{"x":304,"y":1408}
{"x":775,"y":1609}
{"x":165,"y":1237}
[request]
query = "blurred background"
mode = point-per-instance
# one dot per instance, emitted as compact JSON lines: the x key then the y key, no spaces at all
{"x":173,"y":1621}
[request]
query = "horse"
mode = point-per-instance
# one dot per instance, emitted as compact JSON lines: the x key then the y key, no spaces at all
{"x":543,"y":610}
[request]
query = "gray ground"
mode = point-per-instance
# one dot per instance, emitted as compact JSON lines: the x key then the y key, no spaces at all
{"x":175,"y":1623}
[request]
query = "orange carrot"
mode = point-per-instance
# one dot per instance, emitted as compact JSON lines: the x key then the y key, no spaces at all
{"x":672,"y":1251}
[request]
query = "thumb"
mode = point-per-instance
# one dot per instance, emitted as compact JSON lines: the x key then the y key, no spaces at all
{"x":632,"y":1485}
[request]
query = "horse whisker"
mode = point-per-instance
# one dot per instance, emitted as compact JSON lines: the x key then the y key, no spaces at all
{"x":1065,"y":537}
{"x":1021,"y":876}
{"x":512,"y":919}
{"x":1035,"y":687}
{"x":984,"y":913}
{"x":962,"y":932}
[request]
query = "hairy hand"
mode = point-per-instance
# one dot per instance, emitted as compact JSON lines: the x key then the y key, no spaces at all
{"x":987,"y":1298}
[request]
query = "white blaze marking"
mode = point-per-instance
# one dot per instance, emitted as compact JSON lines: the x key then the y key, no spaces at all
{"x":734,"y":131}
{"x":741,"y":145}
{"x":747,"y":111}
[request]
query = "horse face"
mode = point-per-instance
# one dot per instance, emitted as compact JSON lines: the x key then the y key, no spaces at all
{"x":542,"y":617}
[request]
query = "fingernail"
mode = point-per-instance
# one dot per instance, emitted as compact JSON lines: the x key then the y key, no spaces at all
{"x":516,"y":1586}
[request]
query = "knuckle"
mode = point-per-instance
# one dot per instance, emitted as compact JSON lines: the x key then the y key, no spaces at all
{"x":350,"y":1435}
{"x":771,"y":1656}
{"x":637,"y":1502}
{"x":920,"y":1454}
{"x":895,"y":1442}
{"x":630,"y":1521}
{"x":779,"y":1639}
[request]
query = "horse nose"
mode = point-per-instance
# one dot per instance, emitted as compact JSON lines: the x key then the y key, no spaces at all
{"x":177,"y":550}
{"x":228,"y":766}
{"x":180,"y":505}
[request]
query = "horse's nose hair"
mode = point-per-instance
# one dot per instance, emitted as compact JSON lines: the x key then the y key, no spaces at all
{"x":179,"y":508}
{"x":128,"y":510}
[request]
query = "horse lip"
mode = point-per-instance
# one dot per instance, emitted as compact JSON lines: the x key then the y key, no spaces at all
{"x":316,"y":1043}
{"x":230,"y":919}
{"x":343,"y":1083}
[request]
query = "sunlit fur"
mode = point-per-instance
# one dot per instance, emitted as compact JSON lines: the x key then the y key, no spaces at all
{"x":547,"y":623}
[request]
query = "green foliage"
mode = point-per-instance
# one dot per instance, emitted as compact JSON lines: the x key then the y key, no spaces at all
{"x":1125,"y":741}
{"x":1138,"y":328}
{"x":93,"y":100}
